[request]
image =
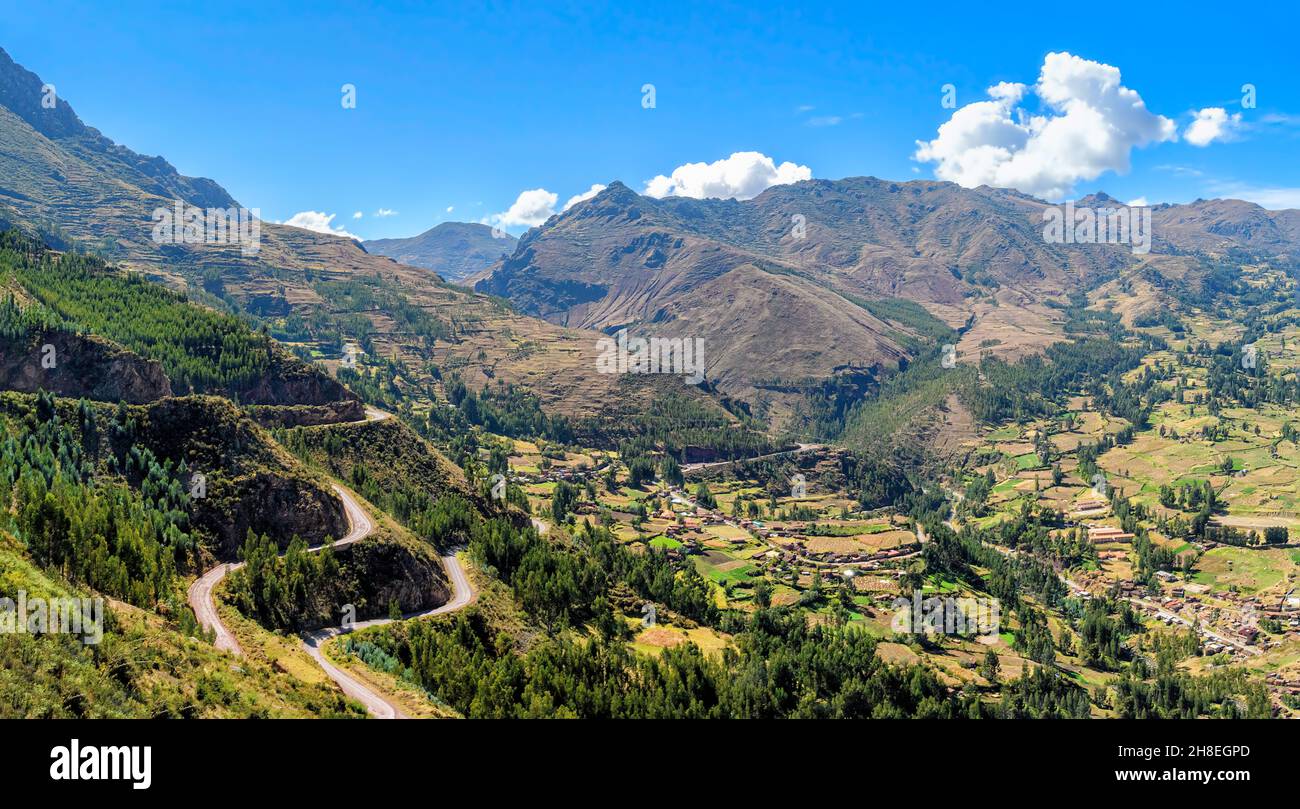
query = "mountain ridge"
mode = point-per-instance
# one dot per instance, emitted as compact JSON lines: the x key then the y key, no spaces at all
{"x":975,"y":259}
{"x":22,"y":92}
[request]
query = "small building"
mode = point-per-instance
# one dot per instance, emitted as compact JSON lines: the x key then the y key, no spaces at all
{"x":1086,"y":507}
{"x":1107,"y":533}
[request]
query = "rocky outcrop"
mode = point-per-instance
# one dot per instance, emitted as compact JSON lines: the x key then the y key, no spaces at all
{"x":386,"y":569}
{"x":281,"y":506}
{"x":308,"y":415}
{"x":249,"y":481}
{"x":80,"y":366}
{"x":369,"y":576}
{"x":290,"y":381}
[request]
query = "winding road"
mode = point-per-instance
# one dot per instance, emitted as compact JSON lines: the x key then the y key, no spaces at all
{"x":360,"y":526}
{"x":200,"y":592}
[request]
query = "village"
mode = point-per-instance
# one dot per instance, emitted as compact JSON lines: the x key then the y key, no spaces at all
{"x":868,"y":551}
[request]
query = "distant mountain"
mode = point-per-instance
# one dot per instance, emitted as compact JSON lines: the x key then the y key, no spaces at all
{"x":454,"y":250}
{"x":802,"y":282}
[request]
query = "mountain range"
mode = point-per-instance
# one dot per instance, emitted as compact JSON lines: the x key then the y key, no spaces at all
{"x":804,"y":281}
{"x":815,"y":281}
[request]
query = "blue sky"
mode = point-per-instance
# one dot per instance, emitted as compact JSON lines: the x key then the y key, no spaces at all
{"x":465,"y":108}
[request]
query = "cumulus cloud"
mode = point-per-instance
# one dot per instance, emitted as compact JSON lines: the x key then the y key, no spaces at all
{"x":384,"y":212}
{"x":530,"y":208}
{"x":451,"y":208}
{"x":742,"y":176}
{"x":357,"y":214}
{"x":595,"y":189}
{"x":1090,"y":124}
{"x":318,"y":222}
{"x":1211,"y":124}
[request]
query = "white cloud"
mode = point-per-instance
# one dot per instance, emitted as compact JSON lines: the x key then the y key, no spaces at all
{"x":1186,"y":171}
{"x":384,"y":212}
{"x":1091,"y":124}
{"x":1278,"y":119}
{"x":595,"y":189}
{"x":825,"y":120}
{"x":530,"y":208}
{"x":1272,"y":197}
{"x":1140,"y":202}
{"x":1211,"y":124}
{"x":357,"y":215}
{"x":451,"y":208}
{"x":742,"y":176}
{"x":318,"y":222}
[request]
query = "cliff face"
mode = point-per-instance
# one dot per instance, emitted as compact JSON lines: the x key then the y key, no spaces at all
{"x":351,"y":410}
{"x":77,"y":366}
{"x":290,"y":381}
{"x":274,"y":503}
{"x":387,"y":569}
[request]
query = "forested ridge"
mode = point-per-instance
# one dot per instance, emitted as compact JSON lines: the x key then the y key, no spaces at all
{"x":201,"y":350}
{"x":86,"y":510}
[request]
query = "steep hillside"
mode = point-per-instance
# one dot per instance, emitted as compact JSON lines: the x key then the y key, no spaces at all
{"x":454,"y":250}
{"x":251,"y":483}
{"x":248,"y":481}
{"x":96,"y":511}
{"x":22,"y":95}
{"x":393,"y":467}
